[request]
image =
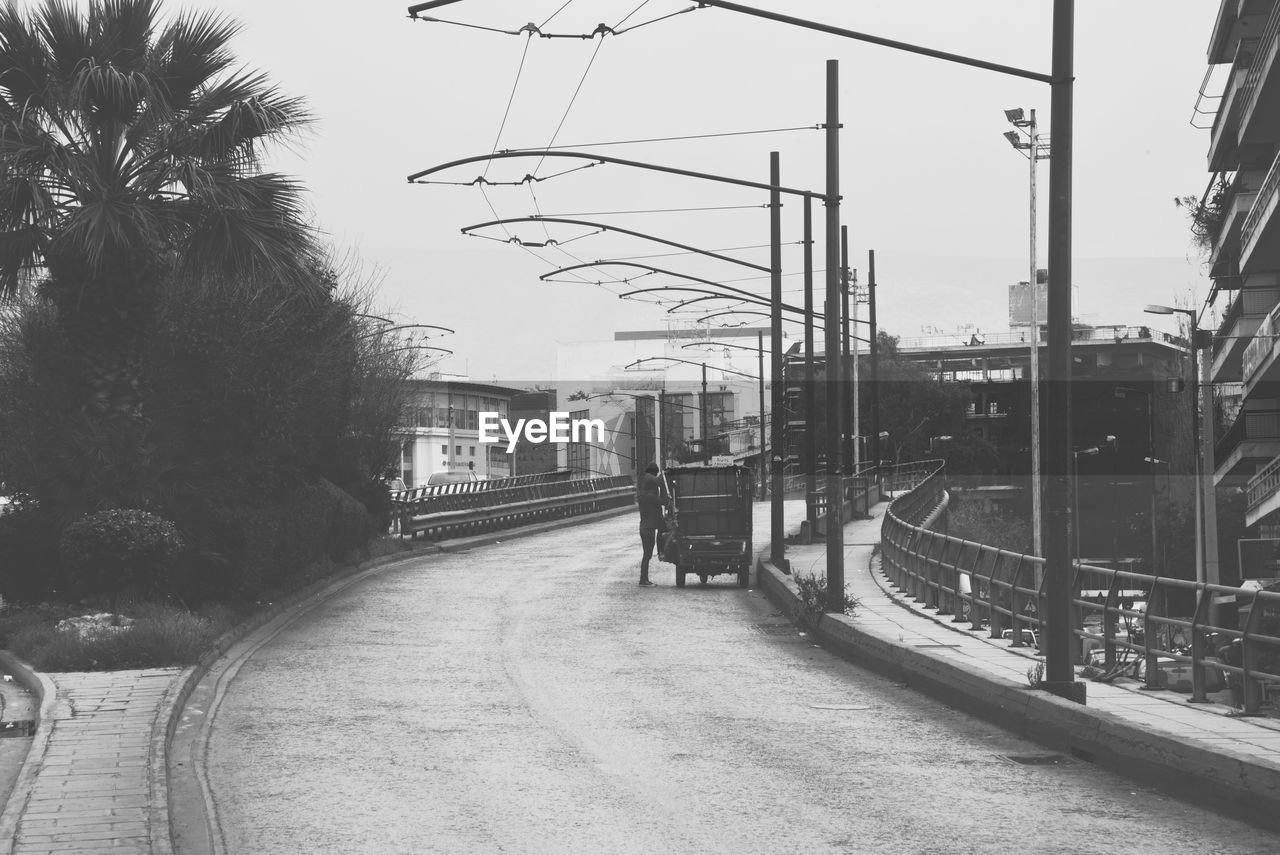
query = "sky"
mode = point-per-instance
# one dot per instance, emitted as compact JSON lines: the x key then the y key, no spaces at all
{"x":926,"y":179}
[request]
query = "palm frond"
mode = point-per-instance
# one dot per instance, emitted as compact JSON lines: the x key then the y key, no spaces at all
{"x":190,"y":53}
{"x":24,"y":65}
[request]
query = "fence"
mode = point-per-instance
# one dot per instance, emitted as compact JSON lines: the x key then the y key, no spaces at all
{"x":435,"y":513}
{"x":1002,"y":592}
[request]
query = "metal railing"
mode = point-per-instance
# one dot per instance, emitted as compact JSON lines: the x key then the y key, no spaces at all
{"x":445,"y":514}
{"x":486,"y":486}
{"x":1249,"y":424}
{"x":1105,"y":333}
{"x":1002,"y":593}
{"x":1261,"y":52}
{"x":1263,"y":485}
{"x":1253,"y":221}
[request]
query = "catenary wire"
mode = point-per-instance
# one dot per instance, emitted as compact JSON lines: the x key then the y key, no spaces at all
{"x":510,"y":100}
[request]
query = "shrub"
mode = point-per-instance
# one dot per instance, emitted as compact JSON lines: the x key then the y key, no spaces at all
{"x":813,"y":601}
{"x":109,"y":550}
{"x":239,"y":552}
{"x":28,"y":555}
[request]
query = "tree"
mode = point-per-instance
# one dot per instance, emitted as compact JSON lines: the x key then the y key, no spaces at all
{"x":914,"y":405}
{"x":123,"y":136}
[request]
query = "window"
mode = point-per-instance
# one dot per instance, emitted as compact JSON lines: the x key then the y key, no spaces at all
{"x":444,"y":449}
{"x":471,"y":450}
{"x":457,"y":450}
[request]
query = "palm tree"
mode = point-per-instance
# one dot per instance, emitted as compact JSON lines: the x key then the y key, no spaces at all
{"x":123,"y":137}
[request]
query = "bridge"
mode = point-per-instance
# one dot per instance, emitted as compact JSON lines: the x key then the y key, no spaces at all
{"x":504,"y":685}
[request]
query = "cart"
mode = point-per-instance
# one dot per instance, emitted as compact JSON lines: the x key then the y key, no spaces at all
{"x":709,"y":514}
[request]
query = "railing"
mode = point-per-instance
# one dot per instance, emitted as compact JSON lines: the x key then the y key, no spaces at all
{"x":1247,"y":303}
{"x":1251,"y":89}
{"x":455,"y":514}
{"x":1249,"y":424}
{"x":1264,"y":485}
{"x":997,"y":591}
{"x":486,"y":486}
{"x":1263,"y":340}
{"x":1253,"y":221}
{"x":1112,"y":333}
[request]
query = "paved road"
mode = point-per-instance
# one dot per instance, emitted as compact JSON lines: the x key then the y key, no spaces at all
{"x":530,"y":698}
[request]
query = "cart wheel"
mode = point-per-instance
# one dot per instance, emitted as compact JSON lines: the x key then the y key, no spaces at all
{"x":702,"y":577}
{"x":680,"y":578}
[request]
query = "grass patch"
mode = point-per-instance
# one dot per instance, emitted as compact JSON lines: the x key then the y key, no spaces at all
{"x":160,"y":635}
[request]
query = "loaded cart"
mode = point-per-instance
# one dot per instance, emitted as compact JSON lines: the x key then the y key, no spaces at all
{"x":709,"y":513}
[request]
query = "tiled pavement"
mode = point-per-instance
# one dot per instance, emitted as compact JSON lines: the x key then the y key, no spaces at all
{"x":93,"y":790}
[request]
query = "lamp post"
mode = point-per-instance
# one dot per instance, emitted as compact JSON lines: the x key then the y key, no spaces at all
{"x":1033,"y":150}
{"x":1201,"y":499}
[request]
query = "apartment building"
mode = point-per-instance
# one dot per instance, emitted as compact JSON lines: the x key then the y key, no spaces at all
{"x":1238,"y":223}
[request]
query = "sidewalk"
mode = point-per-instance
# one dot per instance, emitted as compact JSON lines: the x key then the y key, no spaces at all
{"x":1150,"y":734}
{"x":92,"y":784}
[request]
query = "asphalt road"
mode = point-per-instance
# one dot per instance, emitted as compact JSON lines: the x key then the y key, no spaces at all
{"x":528,"y":697}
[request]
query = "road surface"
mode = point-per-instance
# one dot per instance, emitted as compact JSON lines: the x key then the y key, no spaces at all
{"x":529,"y":697}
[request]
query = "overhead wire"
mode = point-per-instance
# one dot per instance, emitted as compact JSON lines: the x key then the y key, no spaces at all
{"x":572,"y":100}
{"x":683,"y":138}
{"x":510,"y":100}
{"x":659,"y":211}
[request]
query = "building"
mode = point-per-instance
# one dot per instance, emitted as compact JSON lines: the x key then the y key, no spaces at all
{"x":647,"y":386}
{"x":441,"y":429}
{"x":1238,"y":224}
{"x":531,"y":457}
{"x":1131,"y":428}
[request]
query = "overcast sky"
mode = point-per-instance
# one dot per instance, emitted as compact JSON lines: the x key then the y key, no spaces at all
{"x":926,"y":178}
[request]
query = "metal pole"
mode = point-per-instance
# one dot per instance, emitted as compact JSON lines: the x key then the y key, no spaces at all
{"x":1037,"y":526}
{"x":706,"y":440}
{"x":810,"y":396}
{"x":846,"y":417}
{"x":1059,"y":657}
{"x":777,"y":441}
{"x":874,"y":346}
{"x":831,"y":348}
{"x":764,"y":483}
{"x":1195,"y":444}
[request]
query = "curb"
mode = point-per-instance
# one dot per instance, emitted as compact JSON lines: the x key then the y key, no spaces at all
{"x":169,"y":714}
{"x":47,"y":694}
{"x":1236,"y":784}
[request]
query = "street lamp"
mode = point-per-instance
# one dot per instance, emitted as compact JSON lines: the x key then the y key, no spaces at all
{"x":1033,"y":150}
{"x":1198,"y":337}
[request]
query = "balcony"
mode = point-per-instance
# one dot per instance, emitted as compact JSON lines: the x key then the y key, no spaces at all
{"x":1253,"y":440}
{"x":1259,"y":95}
{"x":1240,"y":322}
{"x":1224,"y":261}
{"x":1260,"y":232}
{"x":1225,"y":136}
{"x":1263,"y":493}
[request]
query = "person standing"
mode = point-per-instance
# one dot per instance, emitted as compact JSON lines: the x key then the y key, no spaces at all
{"x":649,"y":500}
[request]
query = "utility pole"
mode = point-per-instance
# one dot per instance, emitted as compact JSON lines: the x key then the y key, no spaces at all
{"x":874,"y":346}
{"x":706,"y":440}
{"x":846,"y":373}
{"x":835,"y":486}
{"x":810,"y":385}
{"x":764,"y":451}
{"x":777,"y":532}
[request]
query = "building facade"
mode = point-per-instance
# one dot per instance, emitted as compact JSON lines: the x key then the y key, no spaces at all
{"x":440,"y":431}
{"x":1237,"y":223}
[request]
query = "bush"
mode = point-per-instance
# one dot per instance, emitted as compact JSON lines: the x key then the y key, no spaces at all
{"x":813,"y":601}
{"x":239,"y":552}
{"x":29,"y":555}
{"x":113,"y":549}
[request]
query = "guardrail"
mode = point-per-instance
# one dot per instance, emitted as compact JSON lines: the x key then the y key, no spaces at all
{"x":1002,"y":592}
{"x":457,"y":513}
